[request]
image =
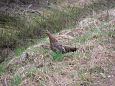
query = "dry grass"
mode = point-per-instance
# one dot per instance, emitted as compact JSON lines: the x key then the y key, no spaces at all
{"x":92,"y":65}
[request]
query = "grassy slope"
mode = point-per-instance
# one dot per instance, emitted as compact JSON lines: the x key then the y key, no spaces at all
{"x":90,"y":65}
{"x":54,"y":17}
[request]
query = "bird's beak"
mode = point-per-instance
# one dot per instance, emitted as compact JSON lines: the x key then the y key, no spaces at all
{"x":44,"y":31}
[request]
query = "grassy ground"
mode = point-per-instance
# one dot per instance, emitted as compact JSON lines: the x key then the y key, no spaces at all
{"x":17,"y":23}
{"x":93,"y":64}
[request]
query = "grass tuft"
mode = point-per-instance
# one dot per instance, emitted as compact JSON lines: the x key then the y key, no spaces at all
{"x":57,"y":56}
{"x":16,"y":80}
{"x":18,"y":51}
{"x":2,"y":70}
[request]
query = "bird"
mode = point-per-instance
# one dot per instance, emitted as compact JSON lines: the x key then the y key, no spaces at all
{"x":56,"y":46}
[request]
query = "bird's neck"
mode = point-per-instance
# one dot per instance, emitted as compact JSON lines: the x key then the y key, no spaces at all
{"x":51,"y":37}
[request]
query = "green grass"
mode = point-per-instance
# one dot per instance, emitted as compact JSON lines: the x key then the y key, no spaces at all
{"x":97,"y":70}
{"x":2,"y":69}
{"x":95,"y":33}
{"x":84,"y":75}
{"x":16,"y":80}
{"x":19,"y":51}
{"x":55,"y":21}
{"x":31,"y":71}
{"x":57,"y":56}
{"x":111,"y":33}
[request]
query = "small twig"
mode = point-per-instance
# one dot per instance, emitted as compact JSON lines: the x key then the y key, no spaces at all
{"x":5,"y":83}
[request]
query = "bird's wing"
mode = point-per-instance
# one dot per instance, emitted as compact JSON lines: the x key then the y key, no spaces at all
{"x":59,"y":47}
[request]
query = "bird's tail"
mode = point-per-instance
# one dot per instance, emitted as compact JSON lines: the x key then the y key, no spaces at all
{"x":70,"y":49}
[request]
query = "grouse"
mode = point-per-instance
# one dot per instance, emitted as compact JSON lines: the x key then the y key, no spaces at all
{"x":56,"y":46}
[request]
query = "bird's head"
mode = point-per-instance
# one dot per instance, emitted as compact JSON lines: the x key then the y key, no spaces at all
{"x":51,"y":37}
{"x":46,"y":32}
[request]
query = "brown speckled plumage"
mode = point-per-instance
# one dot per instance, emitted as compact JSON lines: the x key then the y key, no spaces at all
{"x":57,"y":47}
